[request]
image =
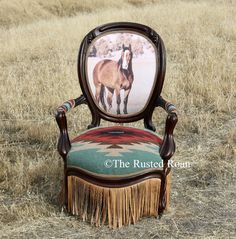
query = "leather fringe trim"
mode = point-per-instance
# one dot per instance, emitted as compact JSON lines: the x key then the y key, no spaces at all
{"x":117,"y":206}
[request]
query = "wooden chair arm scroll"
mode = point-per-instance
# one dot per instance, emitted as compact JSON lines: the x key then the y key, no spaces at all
{"x":167,"y":148}
{"x":64,"y":144}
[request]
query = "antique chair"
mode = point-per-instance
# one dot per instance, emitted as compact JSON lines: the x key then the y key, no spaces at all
{"x":118,"y":174}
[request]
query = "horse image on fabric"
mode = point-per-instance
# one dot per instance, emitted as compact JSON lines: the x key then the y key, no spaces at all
{"x":121,"y":70}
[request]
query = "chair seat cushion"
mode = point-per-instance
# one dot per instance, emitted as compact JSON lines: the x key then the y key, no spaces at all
{"x":115,"y":150}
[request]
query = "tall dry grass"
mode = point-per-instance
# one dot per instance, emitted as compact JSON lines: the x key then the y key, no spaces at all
{"x":39,"y":42}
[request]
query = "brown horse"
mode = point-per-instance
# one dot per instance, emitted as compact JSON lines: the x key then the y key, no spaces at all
{"x":115,"y":76}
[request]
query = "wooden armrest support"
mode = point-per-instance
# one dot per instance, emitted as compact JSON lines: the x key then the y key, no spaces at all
{"x":167,"y":148}
{"x":64,"y":144}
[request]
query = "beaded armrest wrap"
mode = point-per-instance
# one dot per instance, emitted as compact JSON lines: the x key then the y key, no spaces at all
{"x":66,"y":106}
{"x":167,"y":106}
{"x":70,"y":104}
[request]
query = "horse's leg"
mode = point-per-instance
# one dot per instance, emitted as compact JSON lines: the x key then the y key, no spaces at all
{"x":109,"y":98}
{"x":102,"y":94}
{"x":118,"y":101}
{"x":126,"y":96}
{"x":97,"y":93}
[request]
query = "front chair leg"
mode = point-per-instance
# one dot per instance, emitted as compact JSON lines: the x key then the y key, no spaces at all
{"x":162,"y":200}
{"x":65,"y":197}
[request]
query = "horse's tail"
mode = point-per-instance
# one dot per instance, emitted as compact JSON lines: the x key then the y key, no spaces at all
{"x":102,"y":94}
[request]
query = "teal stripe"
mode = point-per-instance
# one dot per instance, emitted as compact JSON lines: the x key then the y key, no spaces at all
{"x":67,"y":105}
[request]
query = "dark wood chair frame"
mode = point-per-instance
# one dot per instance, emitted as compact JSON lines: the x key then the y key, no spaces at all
{"x":167,"y":148}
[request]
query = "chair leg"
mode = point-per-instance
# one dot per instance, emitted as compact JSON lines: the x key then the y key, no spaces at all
{"x":162,"y":203}
{"x":163,"y":196}
{"x":63,"y":196}
{"x":65,"y":202}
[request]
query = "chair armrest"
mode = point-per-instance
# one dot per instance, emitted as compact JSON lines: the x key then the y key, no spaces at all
{"x":167,"y":148}
{"x":64,"y":144}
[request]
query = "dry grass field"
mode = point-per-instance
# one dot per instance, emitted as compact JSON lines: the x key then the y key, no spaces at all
{"x":39,"y":41}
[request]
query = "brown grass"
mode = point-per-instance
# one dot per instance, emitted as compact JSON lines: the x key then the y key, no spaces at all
{"x":39,"y":41}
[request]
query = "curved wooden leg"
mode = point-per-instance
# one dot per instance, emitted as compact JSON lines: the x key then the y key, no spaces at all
{"x":65,"y":196}
{"x":162,"y":200}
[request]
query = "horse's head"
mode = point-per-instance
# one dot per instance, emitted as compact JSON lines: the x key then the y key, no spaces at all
{"x":126,"y":57}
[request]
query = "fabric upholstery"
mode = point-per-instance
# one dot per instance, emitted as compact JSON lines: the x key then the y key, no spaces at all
{"x":115,"y":150}
{"x":170,"y":108}
{"x":68,"y":105}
